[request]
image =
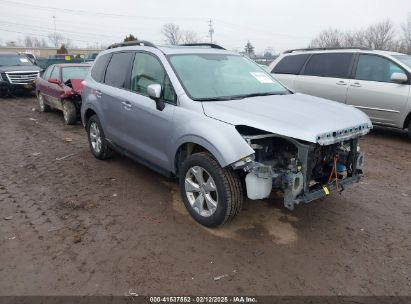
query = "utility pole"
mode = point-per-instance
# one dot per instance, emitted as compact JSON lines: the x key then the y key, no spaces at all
{"x":210,"y":29}
{"x":55,"y":32}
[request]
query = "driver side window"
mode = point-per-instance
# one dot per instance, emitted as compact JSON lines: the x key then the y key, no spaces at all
{"x":376,"y":68}
{"x":55,"y":73}
{"x":148,"y":70}
{"x":47,"y":73}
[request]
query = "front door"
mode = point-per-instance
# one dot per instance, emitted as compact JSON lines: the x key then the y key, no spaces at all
{"x":146,"y":130}
{"x":373,"y":91}
{"x":54,"y":91}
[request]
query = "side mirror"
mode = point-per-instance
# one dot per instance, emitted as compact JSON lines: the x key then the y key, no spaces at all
{"x":399,"y":78}
{"x":54,"y":80}
{"x":154,"y":92}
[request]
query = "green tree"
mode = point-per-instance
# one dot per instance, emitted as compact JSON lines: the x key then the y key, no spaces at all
{"x":130,"y":37}
{"x":249,"y":49}
{"x":62,"y":49}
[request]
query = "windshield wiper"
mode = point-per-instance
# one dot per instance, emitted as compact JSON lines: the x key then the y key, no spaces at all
{"x":258,"y":94}
{"x":236,"y":97}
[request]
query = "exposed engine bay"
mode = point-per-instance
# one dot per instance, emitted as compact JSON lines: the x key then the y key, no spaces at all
{"x":303,"y":171}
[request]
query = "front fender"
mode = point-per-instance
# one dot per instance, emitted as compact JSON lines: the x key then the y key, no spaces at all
{"x":222,"y":140}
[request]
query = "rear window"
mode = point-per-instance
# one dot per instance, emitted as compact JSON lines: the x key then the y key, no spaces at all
{"x":290,"y":64}
{"x":335,"y":65}
{"x":117,"y":69}
{"x":99,"y":68}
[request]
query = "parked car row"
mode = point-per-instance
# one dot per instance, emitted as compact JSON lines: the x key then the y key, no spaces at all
{"x":377,"y":82}
{"x":18,"y":71}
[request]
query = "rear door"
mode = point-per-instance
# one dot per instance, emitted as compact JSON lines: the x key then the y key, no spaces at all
{"x":373,"y":91}
{"x":287,"y":69}
{"x":326,"y":75}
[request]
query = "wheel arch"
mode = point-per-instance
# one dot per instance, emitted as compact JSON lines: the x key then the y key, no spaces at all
{"x":87,"y":114}
{"x":407,"y":120}
{"x":194,"y":145}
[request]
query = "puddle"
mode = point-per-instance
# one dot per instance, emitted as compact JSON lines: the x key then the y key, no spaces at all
{"x":256,"y":221}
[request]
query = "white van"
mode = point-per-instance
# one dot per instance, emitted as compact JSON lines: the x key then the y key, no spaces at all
{"x":377,"y":82}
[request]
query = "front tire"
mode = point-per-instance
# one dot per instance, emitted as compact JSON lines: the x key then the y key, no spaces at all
{"x":212,"y":195}
{"x":97,"y":142}
{"x":409,"y":129}
{"x":69,"y":113}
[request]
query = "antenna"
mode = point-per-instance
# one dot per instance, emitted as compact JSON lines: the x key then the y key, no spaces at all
{"x":210,"y":29}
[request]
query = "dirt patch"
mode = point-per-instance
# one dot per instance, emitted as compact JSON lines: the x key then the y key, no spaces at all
{"x":256,"y":221}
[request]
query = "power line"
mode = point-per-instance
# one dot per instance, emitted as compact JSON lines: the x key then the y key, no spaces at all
{"x":88,"y":13}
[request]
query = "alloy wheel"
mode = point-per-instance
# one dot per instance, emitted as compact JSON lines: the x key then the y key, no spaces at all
{"x":201,"y":191}
{"x":95,"y":137}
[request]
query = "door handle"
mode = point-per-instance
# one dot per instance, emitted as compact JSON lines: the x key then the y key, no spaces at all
{"x":126,"y":104}
{"x":98,"y":94}
{"x":342,"y":82}
{"x":356,"y":85}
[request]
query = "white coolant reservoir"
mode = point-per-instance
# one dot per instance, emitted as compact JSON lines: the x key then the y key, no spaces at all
{"x":257,"y":187}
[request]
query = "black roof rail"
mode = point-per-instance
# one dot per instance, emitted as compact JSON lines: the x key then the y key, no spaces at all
{"x":132,"y":43}
{"x":210,"y":45}
{"x":328,"y":48}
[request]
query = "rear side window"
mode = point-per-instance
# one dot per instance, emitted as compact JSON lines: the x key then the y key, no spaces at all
{"x":99,"y":68}
{"x":335,"y":65}
{"x":290,"y":64}
{"x":117,"y":69}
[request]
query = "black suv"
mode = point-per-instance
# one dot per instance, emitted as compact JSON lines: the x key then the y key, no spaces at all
{"x":17,"y":73}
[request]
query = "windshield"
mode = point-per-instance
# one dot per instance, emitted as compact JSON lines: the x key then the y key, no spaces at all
{"x":74,"y":72}
{"x":405,"y":59}
{"x":223,"y":77}
{"x":14,"y":59}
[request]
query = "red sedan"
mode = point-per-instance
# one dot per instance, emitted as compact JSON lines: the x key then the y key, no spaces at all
{"x":60,"y":88}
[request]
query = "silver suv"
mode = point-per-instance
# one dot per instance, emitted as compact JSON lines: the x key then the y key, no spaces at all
{"x":221,"y":124}
{"x":377,"y":82}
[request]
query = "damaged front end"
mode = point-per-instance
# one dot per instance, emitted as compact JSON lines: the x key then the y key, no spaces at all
{"x":303,"y":171}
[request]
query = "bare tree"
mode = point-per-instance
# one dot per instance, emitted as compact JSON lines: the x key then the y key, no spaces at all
{"x":328,"y":38}
{"x":380,"y":36}
{"x":190,"y":37}
{"x":172,"y":33}
{"x":56,"y":39}
{"x":406,"y":34}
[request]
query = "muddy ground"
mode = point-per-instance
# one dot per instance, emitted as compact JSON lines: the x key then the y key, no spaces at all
{"x":70,"y":224}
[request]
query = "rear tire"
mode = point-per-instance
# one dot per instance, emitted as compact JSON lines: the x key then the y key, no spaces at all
{"x":69,"y":113}
{"x":97,"y":142}
{"x":43,"y":107}
{"x":212,"y":195}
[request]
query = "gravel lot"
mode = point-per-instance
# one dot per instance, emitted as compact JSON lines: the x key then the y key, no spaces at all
{"x":79,"y":226}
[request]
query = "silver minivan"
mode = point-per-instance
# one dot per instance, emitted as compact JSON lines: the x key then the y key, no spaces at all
{"x":377,"y":82}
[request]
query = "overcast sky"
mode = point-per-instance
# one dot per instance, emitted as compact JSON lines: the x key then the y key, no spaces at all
{"x":273,"y":24}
